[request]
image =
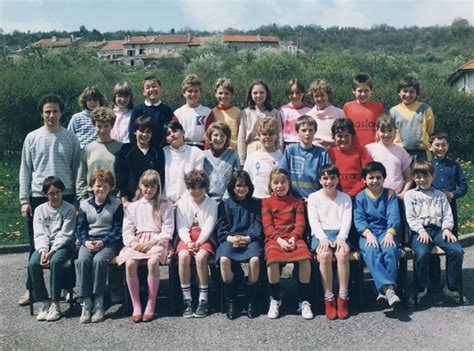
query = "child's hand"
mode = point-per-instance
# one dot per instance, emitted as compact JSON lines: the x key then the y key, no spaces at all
{"x":197,"y":246}
{"x":424,"y":237}
{"x":283,"y":244}
{"x":371,"y":240}
{"x":26,"y":211}
{"x":90,"y":245}
{"x":245,"y":240}
{"x":449,"y":195}
{"x":449,"y":236}
{"x":388,"y":241}
{"x":45,"y":258}
{"x":292,"y":243}
{"x":99,"y":245}
{"x":341,"y":245}
{"x":324,"y":245}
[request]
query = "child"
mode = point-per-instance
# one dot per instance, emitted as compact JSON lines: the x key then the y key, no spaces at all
{"x":101,"y":153}
{"x":180,"y":159}
{"x":194,"y":117}
{"x":99,"y":230}
{"x":54,"y":223}
{"x":431,"y":220}
{"x":196,"y":216}
{"x":239,"y":236}
{"x":283,"y":226}
{"x":220,"y":161}
{"x":80,"y":123}
{"x":303,"y":160}
{"x":262,"y":162}
{"x":414,"y":120}
{"x":348,"y":156}
{"x":330,"y":214}
{"x":148,"y":227}
{"x":135,"y":158}
{"x":363,"y":111}
{"x":323,"y":112}
{"x":396,"y":160}
{"x":292,"y":110}
{"x":225,"y":111}
{"x":259,"y":105}
{"x":377,"y":218}
{"x":152,"y":107}
{"x":122,"y":104}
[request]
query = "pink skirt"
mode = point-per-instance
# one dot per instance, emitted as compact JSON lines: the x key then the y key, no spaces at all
{"x":159,"y":250}
{"x":194,"y":232}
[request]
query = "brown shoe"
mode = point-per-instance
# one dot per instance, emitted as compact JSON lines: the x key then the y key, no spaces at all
{"x":342,"y":308}
{"x":136,"y":318}
{"x":331,"y":311}
{"x":147,"y":318}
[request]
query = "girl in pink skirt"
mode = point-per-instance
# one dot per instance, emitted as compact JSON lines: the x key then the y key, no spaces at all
{"x":147,"y":229}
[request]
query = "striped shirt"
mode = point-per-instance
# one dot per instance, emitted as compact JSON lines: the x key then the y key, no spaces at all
{"x":81,"y":125}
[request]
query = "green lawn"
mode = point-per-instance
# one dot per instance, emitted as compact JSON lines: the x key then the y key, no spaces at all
{"x":13,"y":228}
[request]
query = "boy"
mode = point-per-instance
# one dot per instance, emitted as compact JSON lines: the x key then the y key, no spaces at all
{"x":180,"y":159}
{"x":261,"y":163}
{"x":225,"y":111}
{"x":363,"y":111}
{"x":194,"y":117}
{"x":50,"y":149}
{"x":152,"y":107}
{"x":377,"y":218}
{"x":101,"y":153}
{"x":303,"y":160}
{"x":430,"y":218}
{"x":414,"y":120}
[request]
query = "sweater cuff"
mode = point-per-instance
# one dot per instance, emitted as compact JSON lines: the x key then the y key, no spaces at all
{"x":365,"y":232}
{"x":392,"y":231}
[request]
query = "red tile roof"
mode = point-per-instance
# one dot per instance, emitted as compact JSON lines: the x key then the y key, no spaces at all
{"x":175,"y":38}
{"x":113,"y":45}
{"x":55,"y":42}
{"x":195,"y":41}
{"x":139,"y":39}
{"x":467,"y":65}
{"x":251,"y":38}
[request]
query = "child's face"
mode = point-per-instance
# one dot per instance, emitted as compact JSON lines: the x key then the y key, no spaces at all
{"x":149,"y":191}
{"x":362,"y":93}
{"x":280,"y":185}
{"x":197,"y":194}
{"x":306,"y":134}
{"x":259,"y":95}
{"x":101,"y":190}
{"x":122,"y":101}
{"x":343,"y":140}
{"x":296,"y":95}
{"x":51,"y":115}
{"x":218,"y":139}
{"x":329,"y":182}
{"x":268,"y":140}
{"x":152,"y":91}
{"x":386,"y":136}
{"x":91,"y":103}
{"x":321,"y":99}
{"x":175,"y":137}
{"x":55,"y":196}
{"x":241,"y":190}
{"x":103,"y":130}
{"x":374,"y":182}
{"x":423,"y":181}
{"x":143,"y":137}
{"x":192,"y":94}
{"x":408,"y":95}
{"x":224,"y":96}
{"x":439,"y":148}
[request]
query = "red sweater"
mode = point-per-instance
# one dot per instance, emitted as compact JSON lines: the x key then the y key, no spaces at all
{"x":350,"y":164}
{"x":364,"y":117}
{"x":283,"y":217}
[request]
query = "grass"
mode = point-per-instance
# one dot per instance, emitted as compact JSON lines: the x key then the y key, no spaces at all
{"x":13,"y":227}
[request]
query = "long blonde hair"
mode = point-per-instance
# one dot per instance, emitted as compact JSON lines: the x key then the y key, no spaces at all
{"x":151,"y":178}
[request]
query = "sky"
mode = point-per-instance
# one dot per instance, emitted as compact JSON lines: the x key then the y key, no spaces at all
{"x":216,"y":15}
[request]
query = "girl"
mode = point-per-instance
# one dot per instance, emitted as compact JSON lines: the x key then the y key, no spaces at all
{"x":122,"y":104}
{"x":81,"y":123}
{"x":291,"y":111}
{"x":283,"y":226}
{"x":196,"y":216}
{"x":259,"y":105}
{"x":239,"y":234}
{"x":394,"y":157}
{"x":54,"y":223}
{"x":148,"y":226}
{"x":330,"y":215}
{"x":220,"y":161}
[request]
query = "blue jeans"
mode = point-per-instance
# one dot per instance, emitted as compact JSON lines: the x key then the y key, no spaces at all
{"x":454,"y":257}
{"x":332,"y":236}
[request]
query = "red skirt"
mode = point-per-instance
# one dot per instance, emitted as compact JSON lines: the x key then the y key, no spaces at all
{"x":274,"y":252}
{"x":194,"y":233}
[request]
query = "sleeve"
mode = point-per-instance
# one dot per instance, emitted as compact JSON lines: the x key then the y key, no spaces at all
{"x":72,"y":124}
{"x":346,"y":218}
{"x":461,"y":183}
{"x":448,"y":219}
{"x":314,"y":219}
{"x":223,"y":226}
{"x":414,"y":222}
{"x":284,"y":162}
{"x":430,"y":121}
{"x":360,"y":184}
{"x":115,"y":234}
{"x":198,"y":158}
{"x":255,"y":228}
{"x":41,"y":238}
{"x":82,"y":227}
{"x":241,"y":137}
{"x":393,"y":213}
{"x":66,"y":234}
{"x":81,"y":182}
{"x":76,"y":158}
{"x":236,"y":164}
{"x":161,"y":166}
{"x":360,"y":214}
{"x":136,"y":112}
{"x":26,"y":171}
{"x":167,"y":222}
{"x":128,"y":228}
{"x":281,"y":140}
{"x":269,"y":229}
{"x":300,"y":222}
{"x":209,"y":120}
{"x":210,"y":222}
{"x":122,"y":171}
{"x":182,"y":223}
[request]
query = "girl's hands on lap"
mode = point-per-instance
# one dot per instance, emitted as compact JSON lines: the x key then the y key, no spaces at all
{"x":388,"y":241}
{"x":341,"y":245}
{"x":324,"y":245}
{"x":372,"y":240}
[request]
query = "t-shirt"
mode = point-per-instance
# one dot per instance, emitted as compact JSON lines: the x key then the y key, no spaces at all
{"x":364,"y":117}
{"x":259,"y":165}
{"x":195,"y":121}
{"x":231,"y":116}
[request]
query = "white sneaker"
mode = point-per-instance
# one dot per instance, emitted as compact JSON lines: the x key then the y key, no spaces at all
{"x":306,"y":311}
{"x":85,"y":315}
{"x":43,"y":311}
{"x":54,"y":312}
{"x":454,"y":295}
{"x":24,"y":299}
{"x":381,"y":298}
{"x":392,"y":297}
{"x":274,"y":310}
{"x":98,"y":315}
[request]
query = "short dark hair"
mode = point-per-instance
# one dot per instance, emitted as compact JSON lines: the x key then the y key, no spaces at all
{"x":407,"y":82}
{"x":52,"y":181}
{"x":328,"y":169}
{"x":343,"y":125}
{"x":151,"y":77}
{"x":51,"y":99}
{"x":440,"y":135}
{"x":143,"y":123}
{"x":240,"y":176}
{"x":305,"y":119}
{"x":374,"y":166}
{"x":196,"y":179}
{"x":423,"y":167}
{"x":174,"y":126}
{"x":361,"y":78}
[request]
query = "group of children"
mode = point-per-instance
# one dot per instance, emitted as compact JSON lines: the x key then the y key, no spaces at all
{"x":336,"y":179}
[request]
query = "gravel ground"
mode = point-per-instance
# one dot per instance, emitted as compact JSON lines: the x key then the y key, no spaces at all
{"x":436,"y":324}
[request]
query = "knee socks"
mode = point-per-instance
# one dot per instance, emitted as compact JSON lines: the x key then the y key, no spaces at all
{"x":153,"y":284}
{"x":133,"y":288}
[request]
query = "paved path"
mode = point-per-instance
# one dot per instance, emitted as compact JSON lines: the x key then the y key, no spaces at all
{"x":435,"y":325}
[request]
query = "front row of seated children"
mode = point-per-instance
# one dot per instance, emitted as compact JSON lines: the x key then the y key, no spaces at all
{"x":148,"y":227}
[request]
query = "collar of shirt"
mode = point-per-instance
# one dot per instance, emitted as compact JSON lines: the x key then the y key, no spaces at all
{"x":101,"y":206}
{"x":148,"y":103}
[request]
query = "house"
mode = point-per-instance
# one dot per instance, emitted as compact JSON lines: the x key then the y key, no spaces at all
{"x":463,"y":78}
{"x":58,"y":43}
{"x":112,"y":51}
{"x":288,"y":46}
{"x":250,"y":42}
